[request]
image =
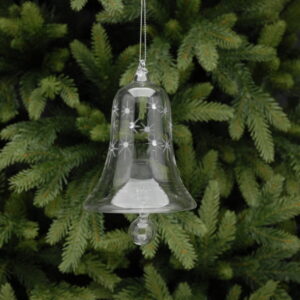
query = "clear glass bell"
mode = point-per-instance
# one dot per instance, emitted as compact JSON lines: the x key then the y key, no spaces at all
{"x":140,"y":173}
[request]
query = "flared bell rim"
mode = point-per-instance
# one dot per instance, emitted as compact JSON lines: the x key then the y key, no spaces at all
{"x":164,"y":199}
{"x":112,"y":209}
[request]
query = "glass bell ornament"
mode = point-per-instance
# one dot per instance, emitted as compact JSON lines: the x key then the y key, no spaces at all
{"x":140,"y":173}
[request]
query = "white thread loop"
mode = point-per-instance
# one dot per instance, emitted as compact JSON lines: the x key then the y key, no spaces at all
{"x":143,"y":33}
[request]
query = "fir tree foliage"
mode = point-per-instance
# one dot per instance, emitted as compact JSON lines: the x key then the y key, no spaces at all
{"x":7,"y":293}
{"x":231,"y":69}
{"x":62,"y":291}
{"x":26,"y":33}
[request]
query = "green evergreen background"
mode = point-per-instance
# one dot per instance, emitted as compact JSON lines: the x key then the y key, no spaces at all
{"x":232,"y":70}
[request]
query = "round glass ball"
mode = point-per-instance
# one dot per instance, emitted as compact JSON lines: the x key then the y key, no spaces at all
{"x":142,"y":230}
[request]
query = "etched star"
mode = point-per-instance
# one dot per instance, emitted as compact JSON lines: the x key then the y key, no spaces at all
{"x":153,"y":105}
{"x":154,"y":143}
{"x":133,"y":126}
{"x":164,"y":111}
{"x":147,"y":128}
{"x":125,"y":147}
{"x":126,"y":110}
{"x":111,"y":150}
{"x":115,"y":110}
{"x":166,"y":145}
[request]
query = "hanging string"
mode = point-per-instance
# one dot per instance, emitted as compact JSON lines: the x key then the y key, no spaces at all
{"x":143,"y":32}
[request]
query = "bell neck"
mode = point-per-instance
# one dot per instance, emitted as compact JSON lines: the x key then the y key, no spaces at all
{"x":141,"y":74}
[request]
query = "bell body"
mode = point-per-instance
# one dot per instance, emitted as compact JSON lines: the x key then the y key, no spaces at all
{"x":140,"y":173}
